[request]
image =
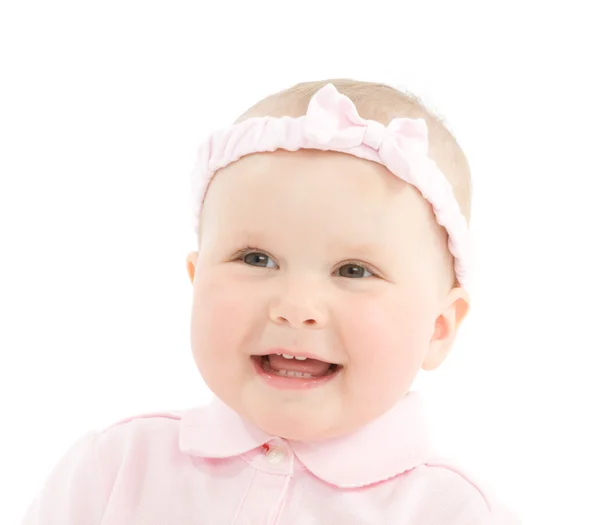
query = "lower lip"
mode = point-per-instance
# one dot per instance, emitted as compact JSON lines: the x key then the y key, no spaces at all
{"x":291,"y":383}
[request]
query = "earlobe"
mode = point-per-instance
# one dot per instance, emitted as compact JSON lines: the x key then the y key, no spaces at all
{"x":191,"y":265}
{"x":446,"y":327}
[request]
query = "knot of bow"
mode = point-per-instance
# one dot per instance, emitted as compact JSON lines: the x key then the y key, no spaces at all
{"x":333,"y":120}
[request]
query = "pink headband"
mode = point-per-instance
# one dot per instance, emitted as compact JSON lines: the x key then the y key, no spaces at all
{"x":333,"y":123}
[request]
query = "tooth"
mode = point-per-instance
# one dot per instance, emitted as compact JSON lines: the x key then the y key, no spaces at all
{"x":277,"y":354}
{"x":290,"y":373}
{"x":300,"y":358}
{"x":286,"y":356}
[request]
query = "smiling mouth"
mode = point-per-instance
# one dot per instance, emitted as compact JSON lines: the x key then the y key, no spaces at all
{"x":295,"y":368}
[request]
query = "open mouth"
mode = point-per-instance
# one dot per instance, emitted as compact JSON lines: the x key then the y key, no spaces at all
{"x":302,"y":368}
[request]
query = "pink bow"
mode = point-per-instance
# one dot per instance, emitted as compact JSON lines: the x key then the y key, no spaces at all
{"x":333,"y":120}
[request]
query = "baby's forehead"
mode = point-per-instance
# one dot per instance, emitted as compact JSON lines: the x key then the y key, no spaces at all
{"x":316,"y":190}
{"x":329,"y":174}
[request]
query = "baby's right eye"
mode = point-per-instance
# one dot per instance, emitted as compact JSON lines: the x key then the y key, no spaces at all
{"x":257,"y":259}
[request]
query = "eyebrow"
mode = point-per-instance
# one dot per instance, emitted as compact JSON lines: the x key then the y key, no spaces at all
{"x":367,"y":248}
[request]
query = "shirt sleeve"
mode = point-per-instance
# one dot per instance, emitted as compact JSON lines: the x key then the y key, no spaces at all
{"x":73,"y":493}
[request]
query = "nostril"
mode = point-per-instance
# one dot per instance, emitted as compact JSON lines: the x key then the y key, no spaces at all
{"x":295,"y":321}
{"x":307,"y":321}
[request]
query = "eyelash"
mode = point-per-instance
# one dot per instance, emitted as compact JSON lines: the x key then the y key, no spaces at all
{"x":240,"y":254}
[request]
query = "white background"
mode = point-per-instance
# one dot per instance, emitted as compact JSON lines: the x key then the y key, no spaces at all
{"x":102,"y":107}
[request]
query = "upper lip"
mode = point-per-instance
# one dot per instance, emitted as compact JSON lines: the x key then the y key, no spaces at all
{"x":294,"y":353}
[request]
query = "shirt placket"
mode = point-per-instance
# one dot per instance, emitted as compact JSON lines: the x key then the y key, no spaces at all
{"x":264,"y":498}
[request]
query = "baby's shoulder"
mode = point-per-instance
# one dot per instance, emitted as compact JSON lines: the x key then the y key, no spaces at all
{"x":444,"y":471}
{"x":145,"y":431}
{"x":153,"y":418}
{"x":462,"y":488}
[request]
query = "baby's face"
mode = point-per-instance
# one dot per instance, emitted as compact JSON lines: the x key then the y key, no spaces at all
{"x":323,"y":255}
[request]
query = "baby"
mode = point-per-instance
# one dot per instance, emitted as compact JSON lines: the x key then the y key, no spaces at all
{"x":332,"y":265}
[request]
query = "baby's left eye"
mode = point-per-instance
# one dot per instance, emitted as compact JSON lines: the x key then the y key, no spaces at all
{"x":354,"y":271}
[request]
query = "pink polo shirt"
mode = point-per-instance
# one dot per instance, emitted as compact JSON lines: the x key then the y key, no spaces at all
{"x":207,"y":466}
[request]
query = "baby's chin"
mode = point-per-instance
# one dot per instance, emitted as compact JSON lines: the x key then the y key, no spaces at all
{"x":295,"y":430}
{"x":298,"y":423}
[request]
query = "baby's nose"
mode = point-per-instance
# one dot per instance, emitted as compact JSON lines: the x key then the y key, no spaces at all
{"x":300,"y":313}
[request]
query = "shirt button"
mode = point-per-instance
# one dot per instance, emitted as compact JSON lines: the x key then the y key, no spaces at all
{"x":275,"y":455}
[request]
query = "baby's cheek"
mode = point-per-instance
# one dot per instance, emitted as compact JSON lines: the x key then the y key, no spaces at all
{"x":380,"y":341}
{"x":387,"y":331}
{"x":218,"y":315}
{"x":217,"y":336}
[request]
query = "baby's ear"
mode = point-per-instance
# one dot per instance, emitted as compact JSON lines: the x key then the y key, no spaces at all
{"x":454,"y":310}
{"x":191,"y":265}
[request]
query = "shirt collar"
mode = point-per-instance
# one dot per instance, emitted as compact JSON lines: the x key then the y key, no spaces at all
{"x":395,"y":442}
